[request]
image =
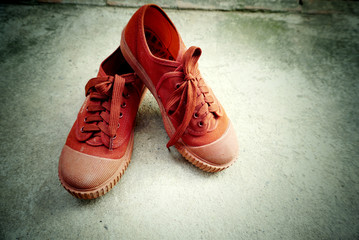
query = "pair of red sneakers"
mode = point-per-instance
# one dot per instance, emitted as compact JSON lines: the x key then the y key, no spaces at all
{"x":152,"y":54}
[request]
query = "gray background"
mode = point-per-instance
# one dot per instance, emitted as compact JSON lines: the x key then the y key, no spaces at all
{"x":288,"y":80}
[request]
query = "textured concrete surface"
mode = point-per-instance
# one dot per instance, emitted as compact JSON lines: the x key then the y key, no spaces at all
{"x":300,"y":6}
{"x":306,"y":6}
{"x":289,"y":82}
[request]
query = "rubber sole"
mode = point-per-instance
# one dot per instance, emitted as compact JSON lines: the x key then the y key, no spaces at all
{"x":180,"y":145}
{"x":106,"y":186}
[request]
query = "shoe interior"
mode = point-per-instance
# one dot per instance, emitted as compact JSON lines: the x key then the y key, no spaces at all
{"x":161,"y":36}
{"x":116,"y":64}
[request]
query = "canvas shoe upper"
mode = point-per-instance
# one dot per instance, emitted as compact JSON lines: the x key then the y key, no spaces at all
{"x":193,"y":117}
{"x":99,"y":146}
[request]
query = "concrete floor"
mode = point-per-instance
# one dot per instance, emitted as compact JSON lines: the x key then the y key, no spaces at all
{"x":289,"y":83}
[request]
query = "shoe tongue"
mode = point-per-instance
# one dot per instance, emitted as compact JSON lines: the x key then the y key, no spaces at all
{"x":182,"y":49}
{"x":101,"y":72}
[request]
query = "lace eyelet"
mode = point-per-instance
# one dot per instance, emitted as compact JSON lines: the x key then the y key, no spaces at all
{"x":127,"y":95}
{"x":85,"y":119}
{"x":87,"y":109}
{"x":121,"y":114}
{"x":177,"y":86}
{"x":200,"y":124}
{"x":195,"y":115}
{"x":82,"y":129}
{"x":118,"y":125}
{"x":123,"y":105}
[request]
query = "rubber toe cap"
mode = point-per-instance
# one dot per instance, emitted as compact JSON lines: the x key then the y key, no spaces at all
{"x":221,"y":152}
{"x":82,"y":171}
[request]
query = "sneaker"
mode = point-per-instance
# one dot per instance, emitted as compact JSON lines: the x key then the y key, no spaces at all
{"x":193,"y":117}
{"x":99,"y":146}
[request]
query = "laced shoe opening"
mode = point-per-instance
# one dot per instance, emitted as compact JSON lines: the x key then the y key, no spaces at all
{"x":156,"y":46}
{"x":108,"y":95}
{"x":161,"y":35}
{"x":116,"y":64}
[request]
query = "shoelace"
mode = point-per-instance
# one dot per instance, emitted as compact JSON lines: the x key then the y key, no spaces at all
{"x":186,"y":96}
{"x":105,"y":89}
